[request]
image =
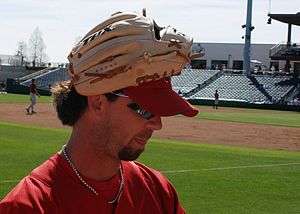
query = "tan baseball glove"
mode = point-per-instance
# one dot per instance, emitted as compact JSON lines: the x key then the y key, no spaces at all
{"x":125,"y":50}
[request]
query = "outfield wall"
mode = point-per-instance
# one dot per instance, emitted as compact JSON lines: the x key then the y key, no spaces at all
{"x":14,"y":87}
{"x":239,"y":104}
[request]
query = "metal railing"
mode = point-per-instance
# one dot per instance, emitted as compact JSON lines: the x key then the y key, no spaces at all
{"x":281,"y":46}
{"x":276,"y":48}
{"x":32,"y":75}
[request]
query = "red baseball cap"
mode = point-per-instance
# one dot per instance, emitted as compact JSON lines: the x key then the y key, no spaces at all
{"x":159,"y":98}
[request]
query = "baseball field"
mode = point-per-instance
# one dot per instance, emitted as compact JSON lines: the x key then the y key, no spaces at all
{"x":228,"y":160}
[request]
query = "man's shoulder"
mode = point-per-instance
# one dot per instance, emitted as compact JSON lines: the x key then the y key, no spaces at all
{"x":29,"y":196}
{"x":33,"y":192}
{"x":47,"y":171}
{"x":144,"y":180}
{"x":137,"y":167}
{"x":139,"y":171}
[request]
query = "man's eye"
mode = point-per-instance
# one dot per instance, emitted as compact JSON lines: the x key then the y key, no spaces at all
{"x":134,"y":106}
{"x":141,"y":111}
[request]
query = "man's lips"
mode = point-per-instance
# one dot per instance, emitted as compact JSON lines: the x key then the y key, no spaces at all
{"x":143,"y":138}
{"x":141,"y":141}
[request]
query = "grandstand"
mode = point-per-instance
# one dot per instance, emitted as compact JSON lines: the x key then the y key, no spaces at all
{"x":11,"y":72}
{"x":272,"y":86}
{"x":45,"y":78}
{"x":232,"y":87}
{"x":198,"y":84}
{"x":191,"y":79}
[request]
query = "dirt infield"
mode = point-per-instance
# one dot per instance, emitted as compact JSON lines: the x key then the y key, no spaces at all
{"x":181,"y":128}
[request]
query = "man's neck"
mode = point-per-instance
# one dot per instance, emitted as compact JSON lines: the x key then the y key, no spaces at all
{"x":90,"y":162}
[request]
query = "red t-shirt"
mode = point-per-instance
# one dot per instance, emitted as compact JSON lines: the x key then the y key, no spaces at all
{"x":32,"y":88}
{"x":54,"y":188}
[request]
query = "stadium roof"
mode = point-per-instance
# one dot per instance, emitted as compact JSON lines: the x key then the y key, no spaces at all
{"x":287,"y":18}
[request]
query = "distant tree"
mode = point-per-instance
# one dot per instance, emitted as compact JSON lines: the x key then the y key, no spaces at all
{"x":13,"y":61}
{"x":77,"y":40}
{"x":21,"y":52}
{"x":42,"y":57}
{"x":37,"y":48}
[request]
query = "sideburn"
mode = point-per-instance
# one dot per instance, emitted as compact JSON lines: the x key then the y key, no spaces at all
{"x":128,"y":154}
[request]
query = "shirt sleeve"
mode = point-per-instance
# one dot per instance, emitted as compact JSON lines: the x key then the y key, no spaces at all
{"x":171,"y":199}
{"x":164,"y":190}
{"x":30,"y":196}
{"x":10,"y":207}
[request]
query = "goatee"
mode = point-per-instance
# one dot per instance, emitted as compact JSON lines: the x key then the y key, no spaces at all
{"x":127,"y":154}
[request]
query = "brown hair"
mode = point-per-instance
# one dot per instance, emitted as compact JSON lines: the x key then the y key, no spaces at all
{"x":69,"y":104}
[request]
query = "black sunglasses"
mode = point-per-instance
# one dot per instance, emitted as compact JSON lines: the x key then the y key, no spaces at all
{"x":135,"y":107}
{"x":141,"y":112}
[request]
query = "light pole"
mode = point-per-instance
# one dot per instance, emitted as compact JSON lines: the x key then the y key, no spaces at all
{"x":228,"y":61}
{"x":247,"y":47}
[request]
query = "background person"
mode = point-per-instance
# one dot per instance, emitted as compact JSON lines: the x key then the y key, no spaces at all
{"x":216,"y":103}
{"x":32,"y":93}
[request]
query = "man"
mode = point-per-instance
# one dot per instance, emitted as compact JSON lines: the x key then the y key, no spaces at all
{"x":119,"y":91}
{"x":33,"y":93}
{"x":216,"y":99}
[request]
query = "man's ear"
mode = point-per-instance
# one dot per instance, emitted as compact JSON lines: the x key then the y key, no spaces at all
{"x":96,"y":102}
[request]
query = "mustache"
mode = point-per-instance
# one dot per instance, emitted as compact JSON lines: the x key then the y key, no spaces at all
{"x":145,"y":134}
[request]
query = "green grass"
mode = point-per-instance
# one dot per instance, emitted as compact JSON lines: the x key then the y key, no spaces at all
{"x":233,"y":190}
{"x":257,"y":116}
{"x":205,"y":189}
{"x":22,"y":148}
{"x":241,"y":115}
{"x":19,"y":98}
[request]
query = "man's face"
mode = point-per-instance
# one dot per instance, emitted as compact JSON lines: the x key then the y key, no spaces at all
{"x":129,"y":132}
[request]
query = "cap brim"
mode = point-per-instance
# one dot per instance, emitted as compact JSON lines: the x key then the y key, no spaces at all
{"x":158,"y":98}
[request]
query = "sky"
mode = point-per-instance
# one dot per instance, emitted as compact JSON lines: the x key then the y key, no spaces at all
{"x":62,"y":22}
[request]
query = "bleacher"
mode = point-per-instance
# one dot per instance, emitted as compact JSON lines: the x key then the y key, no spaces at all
{"x":270,"y":84}
{"x":33,"y":75}
{"x":44,"y":80}
{"x":11,"y":72}
{"x":258,"y":89}
{"x":191,"y":78}
{"x":232,"y":87}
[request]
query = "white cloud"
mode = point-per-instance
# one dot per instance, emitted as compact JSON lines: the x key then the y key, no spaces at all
{"x":61,"y":21}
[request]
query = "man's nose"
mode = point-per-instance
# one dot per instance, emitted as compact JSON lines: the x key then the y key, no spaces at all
{"x":154,"y":123}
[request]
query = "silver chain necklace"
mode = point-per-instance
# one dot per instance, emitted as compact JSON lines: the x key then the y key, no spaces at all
{"x":120,"y":191}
